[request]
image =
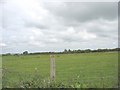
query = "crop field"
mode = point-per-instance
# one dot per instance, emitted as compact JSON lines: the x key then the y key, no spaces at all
{"x":82,"y":70}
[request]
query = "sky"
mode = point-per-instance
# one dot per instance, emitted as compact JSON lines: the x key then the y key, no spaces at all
{"x":38,"y":26}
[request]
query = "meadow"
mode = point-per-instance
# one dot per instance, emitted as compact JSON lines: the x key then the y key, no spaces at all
{"x":81,"y":70}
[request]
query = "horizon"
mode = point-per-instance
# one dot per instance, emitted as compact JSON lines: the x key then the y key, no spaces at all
{"x":54,"y":51}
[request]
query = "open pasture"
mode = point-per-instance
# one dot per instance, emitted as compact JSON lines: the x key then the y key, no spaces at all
{"x":84,"y":70}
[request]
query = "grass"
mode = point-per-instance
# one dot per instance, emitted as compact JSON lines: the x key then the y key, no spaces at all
{"x":0,"y":72}
{"x":72,"y":70}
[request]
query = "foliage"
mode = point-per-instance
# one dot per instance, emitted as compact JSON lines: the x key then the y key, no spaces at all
{"x":25,"y":52}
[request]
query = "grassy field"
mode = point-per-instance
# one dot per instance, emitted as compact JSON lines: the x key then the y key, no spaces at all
{"x":0,"y":72}
{"x":85,"y":70}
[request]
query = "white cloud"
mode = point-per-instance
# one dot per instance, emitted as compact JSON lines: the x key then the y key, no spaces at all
{"x":2,"y":45}
{"x":34,"y":25}
{"x":87,"y":36}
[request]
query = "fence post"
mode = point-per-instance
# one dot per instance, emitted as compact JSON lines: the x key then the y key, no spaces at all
{"x":52,"y":67}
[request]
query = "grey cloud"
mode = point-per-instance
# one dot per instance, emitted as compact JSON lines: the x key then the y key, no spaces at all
{"x":36,"y":25}
{"x":77,"y":11}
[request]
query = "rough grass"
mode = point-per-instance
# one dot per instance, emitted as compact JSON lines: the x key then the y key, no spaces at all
{"x":87,"y":70}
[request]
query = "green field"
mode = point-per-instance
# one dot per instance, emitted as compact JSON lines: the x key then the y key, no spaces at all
{"x":85,"y":70}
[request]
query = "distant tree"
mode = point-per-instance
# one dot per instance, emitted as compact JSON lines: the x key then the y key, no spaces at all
{"x":16,"y":54}
{"x":79,"y":51}
{"x":87,"y":50}
{"x":7,"y":54}
{"x":116,"y":49}
{"x":25,"y":52}
{"x":82,"y":51}
{"x":99,"y":50}
{"x":65,"y":51}
{"x":69,"y":51}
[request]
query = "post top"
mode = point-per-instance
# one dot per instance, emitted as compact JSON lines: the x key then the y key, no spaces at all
{"x":52,"y":56}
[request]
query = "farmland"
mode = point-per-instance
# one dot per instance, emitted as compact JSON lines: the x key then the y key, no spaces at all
{"x":86,"y":70}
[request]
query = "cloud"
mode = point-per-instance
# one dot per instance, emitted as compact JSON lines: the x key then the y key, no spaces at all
{"x":2,"y":45}
{"x":34,"y":25}
{"x":86,"y":11}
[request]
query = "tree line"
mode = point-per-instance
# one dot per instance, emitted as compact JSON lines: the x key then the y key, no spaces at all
{"x":67,"y":51}
{"x":89,"y":50}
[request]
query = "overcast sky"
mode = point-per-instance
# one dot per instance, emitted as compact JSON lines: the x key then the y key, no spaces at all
{"x":38,"y":26}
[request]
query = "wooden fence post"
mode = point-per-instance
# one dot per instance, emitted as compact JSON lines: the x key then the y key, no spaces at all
{"x":52,"y":67}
